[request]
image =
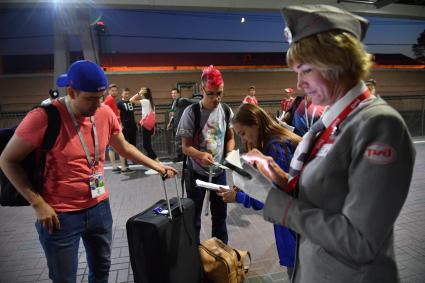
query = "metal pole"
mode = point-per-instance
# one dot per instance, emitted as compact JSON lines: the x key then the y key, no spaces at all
{"x":422,"y":116}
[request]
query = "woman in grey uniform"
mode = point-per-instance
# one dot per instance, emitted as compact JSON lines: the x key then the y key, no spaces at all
{"x":352,"y":170}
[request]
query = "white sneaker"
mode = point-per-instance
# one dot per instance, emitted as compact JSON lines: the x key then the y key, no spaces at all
{"x":151,"y":172}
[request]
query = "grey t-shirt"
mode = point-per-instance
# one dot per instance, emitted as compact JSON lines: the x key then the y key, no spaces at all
{"x":211,"y":138}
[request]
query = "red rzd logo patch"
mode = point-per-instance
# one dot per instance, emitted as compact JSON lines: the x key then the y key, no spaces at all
{"x":380,"y":153}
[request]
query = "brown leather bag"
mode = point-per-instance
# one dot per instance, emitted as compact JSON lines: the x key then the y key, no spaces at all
{"x":222,"y":263}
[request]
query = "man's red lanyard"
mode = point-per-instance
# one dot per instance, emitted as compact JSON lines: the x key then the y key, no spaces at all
{"x":324,"y":137}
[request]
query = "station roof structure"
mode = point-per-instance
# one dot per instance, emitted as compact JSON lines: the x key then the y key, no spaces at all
{"x":407,"y":9}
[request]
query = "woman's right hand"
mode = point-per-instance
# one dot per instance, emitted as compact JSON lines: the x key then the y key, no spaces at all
{"x":268,"y":167}
{"x":228,"y":196}
{"x":141,"y":91}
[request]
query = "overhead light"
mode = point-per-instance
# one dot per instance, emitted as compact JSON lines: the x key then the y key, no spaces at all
{"x":243,"y":20}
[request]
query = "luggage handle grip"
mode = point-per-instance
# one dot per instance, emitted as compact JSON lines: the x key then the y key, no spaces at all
{"x":170,"y":215}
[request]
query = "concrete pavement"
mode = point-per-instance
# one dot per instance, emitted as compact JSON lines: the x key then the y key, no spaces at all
{"x":22,"y":259}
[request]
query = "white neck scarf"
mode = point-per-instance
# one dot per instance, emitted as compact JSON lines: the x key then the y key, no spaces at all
{"x":303,"y":150}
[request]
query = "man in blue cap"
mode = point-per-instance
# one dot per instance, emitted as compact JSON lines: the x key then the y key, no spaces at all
{"x":73,"y":203}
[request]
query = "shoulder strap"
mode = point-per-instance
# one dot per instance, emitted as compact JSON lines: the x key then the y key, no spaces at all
{"x":227,"y":116}
{"x":49,"y":139}
{"x":196,"y":107}
{"x":226,"y":112}
{"x":242,"y":265}
{"x":53,"y":126}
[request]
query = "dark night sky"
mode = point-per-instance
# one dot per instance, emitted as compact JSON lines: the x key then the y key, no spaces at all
{"x":25,"y":31}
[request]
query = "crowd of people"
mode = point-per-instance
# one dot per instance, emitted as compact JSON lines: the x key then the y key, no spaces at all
{"x":337,"y":178}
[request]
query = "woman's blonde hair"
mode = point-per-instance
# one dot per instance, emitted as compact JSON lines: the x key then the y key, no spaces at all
{"x":337,"y":55}
{"x":268,"y":128}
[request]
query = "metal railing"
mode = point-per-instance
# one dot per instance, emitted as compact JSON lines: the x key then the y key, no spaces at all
{"x":411,"y":108}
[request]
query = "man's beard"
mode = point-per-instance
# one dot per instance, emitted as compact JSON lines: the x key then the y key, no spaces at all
{"x":89,"y":112}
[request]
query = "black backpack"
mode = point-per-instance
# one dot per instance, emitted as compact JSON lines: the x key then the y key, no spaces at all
{"x":181,"y":104}
{"x":289,"y":115}
{"x":35,"y":170}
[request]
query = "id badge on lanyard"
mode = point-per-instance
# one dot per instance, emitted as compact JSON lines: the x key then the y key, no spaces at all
{"x":97,"y":185}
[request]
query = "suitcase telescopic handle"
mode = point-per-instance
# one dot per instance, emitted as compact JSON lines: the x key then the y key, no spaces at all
{"x":170,"y":215}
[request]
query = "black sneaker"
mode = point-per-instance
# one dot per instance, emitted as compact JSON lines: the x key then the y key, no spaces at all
{"x":127,"y":170}
{"x":117,"y":170}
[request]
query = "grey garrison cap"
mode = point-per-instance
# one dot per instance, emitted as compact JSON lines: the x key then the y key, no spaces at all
{"x":305,"y":20}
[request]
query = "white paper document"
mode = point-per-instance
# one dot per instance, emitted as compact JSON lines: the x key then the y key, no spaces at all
{"x":220,"y":165}
{"x":234,"y":158}
{"x":258,"y":186}
{"x":210,"y":186}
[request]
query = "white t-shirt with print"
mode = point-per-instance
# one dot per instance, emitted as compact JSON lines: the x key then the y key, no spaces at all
{"x":211,"y":139}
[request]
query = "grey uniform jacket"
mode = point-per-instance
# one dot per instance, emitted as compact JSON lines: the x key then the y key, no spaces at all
{"x":349,"y":198}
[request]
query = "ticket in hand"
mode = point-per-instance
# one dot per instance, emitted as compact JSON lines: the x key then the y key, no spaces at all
{"x":210,"y":186}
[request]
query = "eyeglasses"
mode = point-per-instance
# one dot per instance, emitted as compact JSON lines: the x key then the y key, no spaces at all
{"x":213,"y":93}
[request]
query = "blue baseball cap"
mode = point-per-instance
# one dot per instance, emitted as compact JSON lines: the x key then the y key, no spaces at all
{"x":84,"y":75}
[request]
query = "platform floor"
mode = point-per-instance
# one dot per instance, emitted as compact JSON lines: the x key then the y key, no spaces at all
{"x":22,"y":259}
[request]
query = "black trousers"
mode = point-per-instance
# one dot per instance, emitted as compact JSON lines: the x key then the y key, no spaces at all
{"x":217,"y":205}
{"x":147,"y":143}
{"x":130,"y":131}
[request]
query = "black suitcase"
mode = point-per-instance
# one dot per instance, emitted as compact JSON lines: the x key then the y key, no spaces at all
{"x":163,"y":247}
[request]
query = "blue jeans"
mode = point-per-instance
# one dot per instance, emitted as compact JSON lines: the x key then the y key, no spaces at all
{"x":94,"y":226}
{"x":218,"y":206}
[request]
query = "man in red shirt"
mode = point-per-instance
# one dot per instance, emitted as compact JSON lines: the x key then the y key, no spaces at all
{"x":111,"y":100}
{"x":74,"y":201}
{"x":250,"y":98}
{"x":287,"y":99}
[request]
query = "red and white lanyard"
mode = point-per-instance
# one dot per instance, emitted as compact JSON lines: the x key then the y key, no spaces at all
{"x":324,"y":137}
